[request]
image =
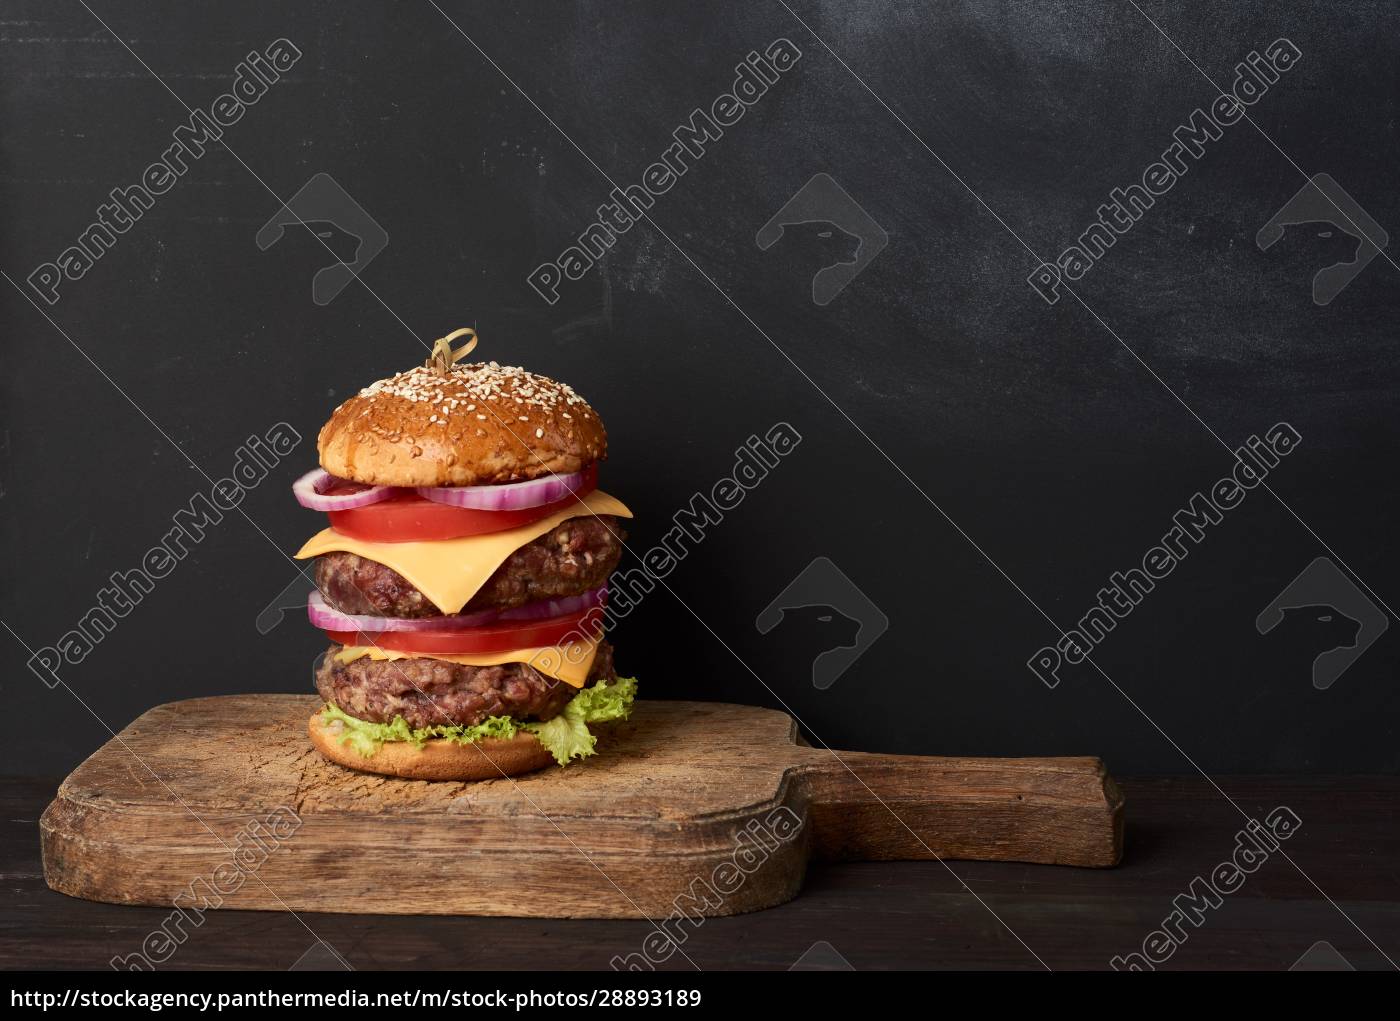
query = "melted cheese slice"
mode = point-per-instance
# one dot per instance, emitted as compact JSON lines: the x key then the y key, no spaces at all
{"x":569,"y":663}
{"x":450,"y":571}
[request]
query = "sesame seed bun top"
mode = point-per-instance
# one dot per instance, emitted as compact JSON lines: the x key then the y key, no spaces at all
{"x":470,"y":424}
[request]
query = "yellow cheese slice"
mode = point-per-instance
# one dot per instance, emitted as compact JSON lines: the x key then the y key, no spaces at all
{"x":450,"y":571}
{"x":569,"y":663}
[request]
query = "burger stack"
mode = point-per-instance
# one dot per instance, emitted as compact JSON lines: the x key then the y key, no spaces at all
{"x":462,"y":578}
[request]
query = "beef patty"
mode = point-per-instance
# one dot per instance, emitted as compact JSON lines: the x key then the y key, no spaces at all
{"x":574,"y":557}
{"x":432,"y":692}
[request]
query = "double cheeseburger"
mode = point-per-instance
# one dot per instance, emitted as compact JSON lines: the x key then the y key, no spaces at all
{"x":463,"y":578}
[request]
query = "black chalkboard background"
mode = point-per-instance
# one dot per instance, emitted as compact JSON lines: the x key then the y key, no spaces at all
{"x":971,"y":456}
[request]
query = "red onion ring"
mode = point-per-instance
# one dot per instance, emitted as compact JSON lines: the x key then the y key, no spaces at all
{"x":546,"y":608}
{"x":328,"y":618}
{"x":511,"y":496}
{"x":311,"y":491}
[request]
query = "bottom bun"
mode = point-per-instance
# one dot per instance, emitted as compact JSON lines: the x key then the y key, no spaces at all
{"x":438,"y":759}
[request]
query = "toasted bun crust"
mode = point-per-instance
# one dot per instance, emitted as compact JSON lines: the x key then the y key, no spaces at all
{"x":436,"y":760}
{"x":474,"y":424}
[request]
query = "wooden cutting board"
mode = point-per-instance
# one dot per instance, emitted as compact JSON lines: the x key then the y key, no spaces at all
{"x":707,"y":808}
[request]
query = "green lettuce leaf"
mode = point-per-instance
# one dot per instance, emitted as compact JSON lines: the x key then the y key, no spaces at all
{"x":566,"y":736}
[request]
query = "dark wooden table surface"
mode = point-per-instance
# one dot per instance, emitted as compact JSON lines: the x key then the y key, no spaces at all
{"x":1337,"y":903}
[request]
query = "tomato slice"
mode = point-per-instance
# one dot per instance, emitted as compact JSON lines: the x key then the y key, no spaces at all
{"x":503,"y":636}
{"x":408,"y":517}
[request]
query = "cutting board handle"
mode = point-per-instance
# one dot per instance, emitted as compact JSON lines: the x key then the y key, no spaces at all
{"x":1057,"y":811}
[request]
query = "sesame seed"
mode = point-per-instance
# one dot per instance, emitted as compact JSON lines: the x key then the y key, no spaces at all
{"x":473,"y":384}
